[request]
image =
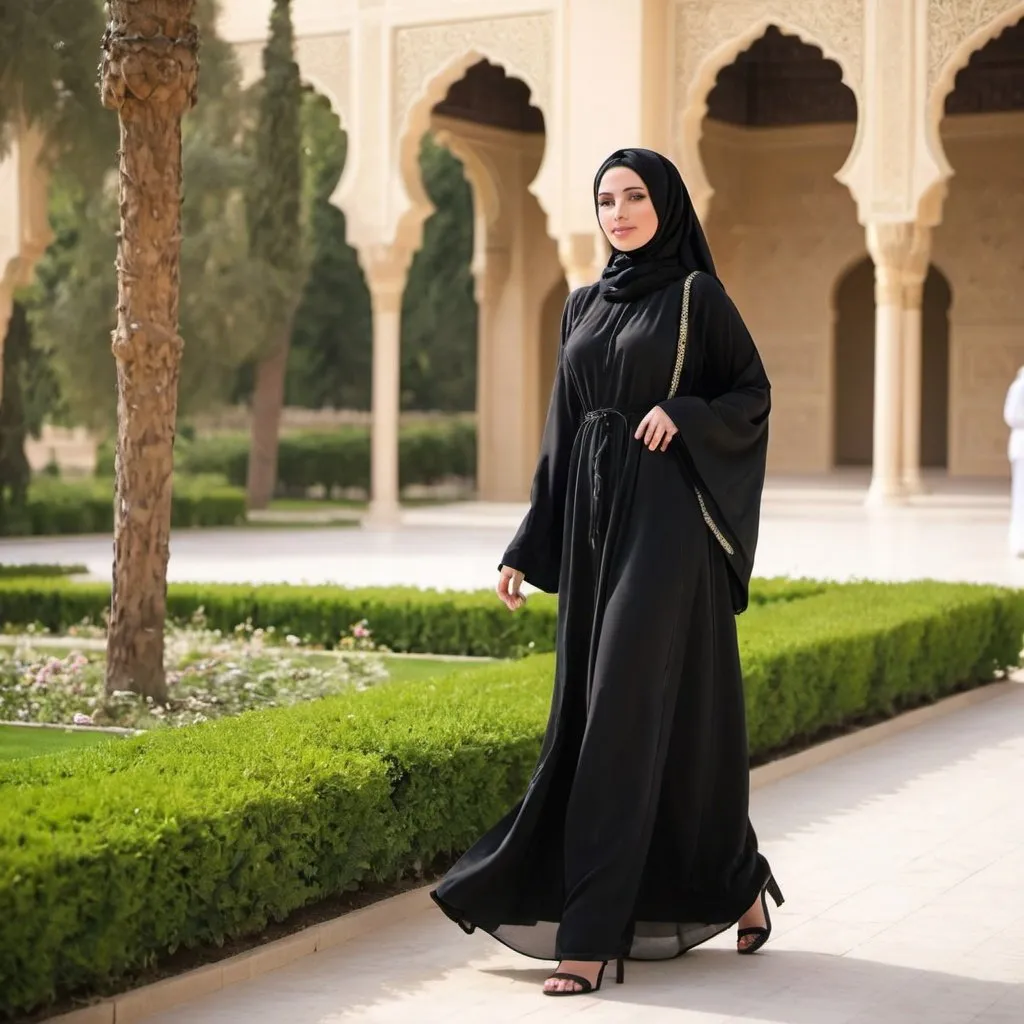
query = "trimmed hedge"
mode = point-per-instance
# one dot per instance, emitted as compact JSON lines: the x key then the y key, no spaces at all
{"x":427,"y":454}
{"x":114,"y":856}
{"x":37,"y":570}
{"x":87,"y":506}
{"x":404,"y":619}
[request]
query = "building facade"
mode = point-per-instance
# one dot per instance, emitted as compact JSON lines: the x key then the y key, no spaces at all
{"x":858,"y":164}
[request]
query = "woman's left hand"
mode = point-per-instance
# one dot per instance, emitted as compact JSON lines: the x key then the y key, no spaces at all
{"x":656,"y":429}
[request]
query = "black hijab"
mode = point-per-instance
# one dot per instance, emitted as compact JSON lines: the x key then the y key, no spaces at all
{"x":678,"y":246}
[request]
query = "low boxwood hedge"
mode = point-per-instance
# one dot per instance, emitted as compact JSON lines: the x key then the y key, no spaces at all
{"x":404,"y":619}
{"x":87,"y":506}
{"x":115,"y":856}
{"x":428,"y":453}
{"x":25,"y":570}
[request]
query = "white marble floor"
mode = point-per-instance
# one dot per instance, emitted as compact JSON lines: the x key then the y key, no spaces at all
{"x":819,"y":528}
{"x":902,"y":868}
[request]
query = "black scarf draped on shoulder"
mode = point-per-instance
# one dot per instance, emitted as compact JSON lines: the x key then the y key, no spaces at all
{"x":723,"y":400}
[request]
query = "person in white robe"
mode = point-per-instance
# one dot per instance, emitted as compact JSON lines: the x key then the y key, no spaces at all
{"x":1013,"y":415}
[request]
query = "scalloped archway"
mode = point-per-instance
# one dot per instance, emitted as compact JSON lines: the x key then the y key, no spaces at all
{"x":953,"y":40}
{"x":698,"y":84}
{"x":853,"y":298}
{"x":412,"y":116}
{"x":778,"y":124}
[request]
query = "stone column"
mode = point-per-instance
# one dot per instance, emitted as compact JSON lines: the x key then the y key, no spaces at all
{"x":386,"y":268}
{"x":583,"y":257}
{"x":890,"y":248}
{"x":913,"y":295}
{"x":495,"y":382}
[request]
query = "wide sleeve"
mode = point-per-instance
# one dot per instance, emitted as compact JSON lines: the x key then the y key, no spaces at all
{"x":536,"y":549}
{"x":723,"y":427}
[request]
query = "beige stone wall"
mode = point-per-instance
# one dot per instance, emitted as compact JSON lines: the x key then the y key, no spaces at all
{"x":783,"y":231}
{"x":980,"y":247}
{"x":785,"y":234}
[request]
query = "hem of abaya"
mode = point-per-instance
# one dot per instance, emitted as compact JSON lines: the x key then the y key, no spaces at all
{"x":640,"y":938}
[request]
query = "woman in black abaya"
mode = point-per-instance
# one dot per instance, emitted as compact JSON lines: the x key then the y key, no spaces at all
{"x":633,"y":837}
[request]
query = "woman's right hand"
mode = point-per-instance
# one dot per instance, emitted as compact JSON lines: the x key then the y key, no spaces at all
{"x":509,"y":582}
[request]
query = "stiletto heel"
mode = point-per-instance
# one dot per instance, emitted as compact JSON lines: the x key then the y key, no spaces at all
{"x":584,"y":985}
{"x":771,"y":887}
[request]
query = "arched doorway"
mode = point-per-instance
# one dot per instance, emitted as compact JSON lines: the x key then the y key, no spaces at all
{"x":780,"y":124}
{"x":854,"y":377}
{"x":505,"y":266}
{"x":980,"y":245}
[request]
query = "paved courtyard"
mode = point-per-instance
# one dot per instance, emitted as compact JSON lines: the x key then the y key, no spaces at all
{"x":901,"y":865}
{"x":817,"y":529}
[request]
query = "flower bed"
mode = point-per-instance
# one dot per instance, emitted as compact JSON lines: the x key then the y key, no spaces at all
{"x":209,"y":675}
{"x":111,"y":858}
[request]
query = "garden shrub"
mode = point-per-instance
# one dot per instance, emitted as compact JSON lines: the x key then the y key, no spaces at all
{"x":56,"y":506}
{"x":428,"y":453}
{"x":404,"y":619}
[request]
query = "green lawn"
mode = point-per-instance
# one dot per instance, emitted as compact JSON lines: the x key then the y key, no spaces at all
{"x":17,"y":742}
{"x":315,"y":505}
{"x":403,"y":670}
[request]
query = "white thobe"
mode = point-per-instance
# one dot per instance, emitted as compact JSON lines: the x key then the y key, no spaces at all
{"x":1013,"y":415}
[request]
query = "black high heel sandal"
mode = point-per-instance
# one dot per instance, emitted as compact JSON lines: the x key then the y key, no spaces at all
{"x":773,"y":890}
{"x":585,"y":986}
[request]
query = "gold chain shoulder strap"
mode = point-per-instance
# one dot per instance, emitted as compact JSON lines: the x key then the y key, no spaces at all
{"x":684,"y":329}
{"x":677,"y":373}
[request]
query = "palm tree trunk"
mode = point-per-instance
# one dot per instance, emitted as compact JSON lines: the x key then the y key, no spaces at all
{"x":149,"y":76}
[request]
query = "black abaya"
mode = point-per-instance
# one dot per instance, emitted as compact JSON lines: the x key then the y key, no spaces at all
{"x":633,"y":837}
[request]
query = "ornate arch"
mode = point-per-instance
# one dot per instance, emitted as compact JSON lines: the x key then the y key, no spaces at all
{"x":429,"y":59}
{"x":710,"y":35}
{"x":957,"y":29}
{"x":325,"y":62}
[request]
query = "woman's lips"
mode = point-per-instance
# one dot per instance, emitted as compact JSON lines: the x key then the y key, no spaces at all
{"x":622,"y":231}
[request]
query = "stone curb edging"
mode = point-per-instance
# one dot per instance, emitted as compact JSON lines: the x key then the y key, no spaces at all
{"x":143,"y":1003}
{"x":774,"y":771}
{"x":113,"y":730}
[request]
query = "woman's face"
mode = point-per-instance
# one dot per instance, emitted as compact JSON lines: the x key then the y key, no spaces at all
{"x":625,"y":210}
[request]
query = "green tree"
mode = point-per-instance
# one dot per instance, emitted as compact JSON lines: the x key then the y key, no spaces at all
{"x":28,"y":394}
{"x":48,"y":78}
{"x":332,"y":342}
{"x":226,"y":294}
{"x":332,"y":337}
{"x":274,"y":206}
{"x":439,"y":313}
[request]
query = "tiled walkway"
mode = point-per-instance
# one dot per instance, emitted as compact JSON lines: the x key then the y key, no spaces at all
{"x":903,"y":868}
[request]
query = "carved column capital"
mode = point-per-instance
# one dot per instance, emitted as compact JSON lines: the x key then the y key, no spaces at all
{"x":901,"y":252}
{"x":386,"y":268}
